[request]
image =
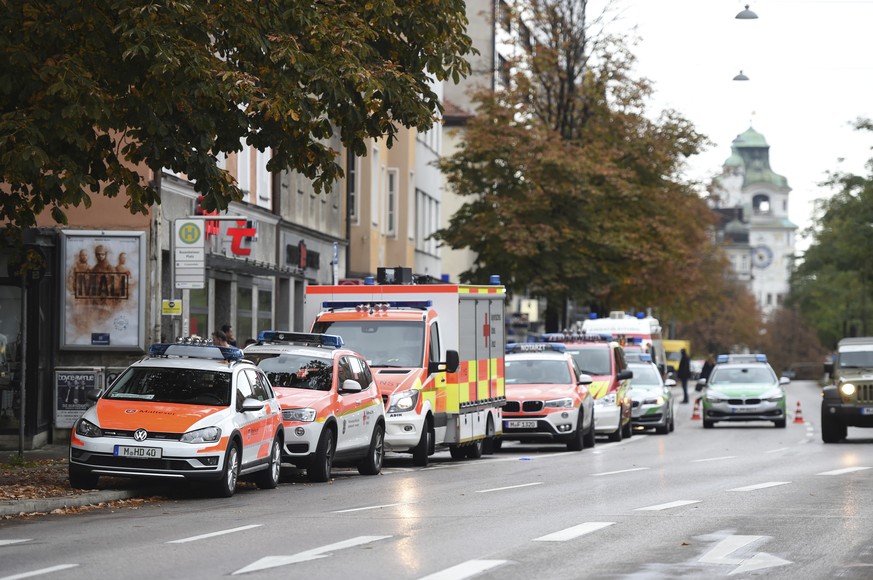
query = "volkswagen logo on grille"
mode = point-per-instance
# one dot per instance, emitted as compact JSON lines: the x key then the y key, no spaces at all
{"x":140,"y":435}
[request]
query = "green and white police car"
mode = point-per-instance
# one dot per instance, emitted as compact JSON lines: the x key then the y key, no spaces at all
{"x":743,"y":388}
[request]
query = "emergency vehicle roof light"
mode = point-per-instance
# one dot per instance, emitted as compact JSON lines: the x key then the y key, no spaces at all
{"x":307,"y":338}
{"x":535,"y":347}
{"x":494,"y":279}
{"x":641,"y":315}
{"x":645,"y":357}
{"x":196,"y":350}
{"x":592,"y":316}
{"x":383,"y":306}
{"x":726,"y":358}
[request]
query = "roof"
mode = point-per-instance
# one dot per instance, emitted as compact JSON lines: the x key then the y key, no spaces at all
{"x":751,"y":151}
{"x":455,"y":115}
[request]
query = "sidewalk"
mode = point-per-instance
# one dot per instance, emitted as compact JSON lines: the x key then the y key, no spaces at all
{"x":39,"y":483}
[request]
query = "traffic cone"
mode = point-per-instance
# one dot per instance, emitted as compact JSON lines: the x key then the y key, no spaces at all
{"x":798,"y":414}
{"x":695,"y":414}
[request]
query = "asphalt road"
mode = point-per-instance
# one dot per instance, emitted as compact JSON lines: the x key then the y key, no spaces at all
{"x":739,"y":500}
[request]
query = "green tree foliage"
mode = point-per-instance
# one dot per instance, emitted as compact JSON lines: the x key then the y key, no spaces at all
{"x":574,"y":192}
{"x":91,"y":89}
{"x":833,"y":285}
{"x":789,"y":340}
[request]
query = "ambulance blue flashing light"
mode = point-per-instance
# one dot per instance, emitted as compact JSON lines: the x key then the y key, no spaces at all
{"x":641,"y":315}
{"x":494,"y":279}
{"x":592,"y":316}
{"x":645,"y":357}
{"x":534,"y":347}
{"x":329,"y":340}
{"x":192,"y":350}
{"x":369,"y":281}
{"x":574,"y":337}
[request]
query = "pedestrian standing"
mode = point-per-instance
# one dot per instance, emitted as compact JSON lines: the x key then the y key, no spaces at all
{"x":684,"y":373}
{"x":707,"y":367}
{"x":219,"y":338}
{"x":228,"y":333}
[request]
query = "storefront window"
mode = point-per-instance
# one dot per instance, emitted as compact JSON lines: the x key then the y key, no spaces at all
{"x":199,"y":311}
{"x":243,"y":328}
{"x":265,"y":309}
{"x":10,"y":379}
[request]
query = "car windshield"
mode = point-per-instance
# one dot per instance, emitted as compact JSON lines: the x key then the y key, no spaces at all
{"x":740,"y":375}
{"x":383,"y":344}
{"x":592,"y":361}
{"x":537,"y":372}
{"x":295,"y":371}
{"x":856,"y":359}
{"x":645,"y":376}
{"x":168,"y":385}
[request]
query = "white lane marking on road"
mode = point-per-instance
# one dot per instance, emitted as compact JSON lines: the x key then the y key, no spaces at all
{"x":314,"y":554}
{"x":369,"y":507}
{"x":714,"y":458}
{"x":719,"y":555}
{"x":509,"y":487}
{"x":620,"y":471}
{"x":777,"y":450}
{"x":10,"y":542}
{"x":574,"y":532}
{"x":40,"y":572}
{"x":214,"y":534}
{"x":760,"y":486}
{"x":843,"y":471}
{"x":466,"y":570}
{"x":666,"y":506}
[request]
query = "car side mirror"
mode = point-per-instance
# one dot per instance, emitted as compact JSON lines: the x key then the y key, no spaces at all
{"x":250,"y":404}
{"x":784,"y":380}
{"x":625,"y":374}
{"x":585,"y":379}
{"x":351,"y":386}
{"x":453,"y":361}
{"x":93,"y":395}
{"x":669,"y":383}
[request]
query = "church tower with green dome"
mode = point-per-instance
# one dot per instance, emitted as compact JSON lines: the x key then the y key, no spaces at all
{"x":755,"y":231}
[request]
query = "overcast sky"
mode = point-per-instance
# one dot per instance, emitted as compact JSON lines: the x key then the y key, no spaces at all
{"x":810,"y":65}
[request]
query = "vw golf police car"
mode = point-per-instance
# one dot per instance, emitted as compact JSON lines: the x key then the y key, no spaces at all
{"x":331,"y":408}
{"x":546,"y":397}
{"x":189,"y":410}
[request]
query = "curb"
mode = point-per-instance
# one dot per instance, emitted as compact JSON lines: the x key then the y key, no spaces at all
{"x":27,"y":506}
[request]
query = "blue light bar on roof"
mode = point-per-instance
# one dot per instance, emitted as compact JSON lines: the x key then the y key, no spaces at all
{"x":741,"y":358}
{"x":203,"y":351}
{"x":535,"y":347}
{"x":307,"y":338}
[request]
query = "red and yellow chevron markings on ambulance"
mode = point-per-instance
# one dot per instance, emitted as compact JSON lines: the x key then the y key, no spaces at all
{"x":598,"y":389}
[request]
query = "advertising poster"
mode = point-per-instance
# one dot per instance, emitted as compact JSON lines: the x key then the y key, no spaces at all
{"x":103,"y":290}
{"x":71,"y":386}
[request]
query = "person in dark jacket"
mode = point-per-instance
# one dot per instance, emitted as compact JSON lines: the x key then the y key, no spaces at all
{"x":684,"y":373}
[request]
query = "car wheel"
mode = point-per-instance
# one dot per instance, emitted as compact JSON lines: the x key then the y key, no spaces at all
{"x":672,"y":422}
{"x":663,"y":429}
{"x":474,"y":451}
{"x":372,"y":463}
{"x":617,"y":434}
{"x":269,"y":478}
{"x":779,"y":424}
{"x":589,"y":438}
{"x":457,"y":452}
{"x":628,"y":429}
{"x":421,"y":452}
{"x":226,"y":484}
{"x":707,"y":424}
{"x":82,"y":478}
{"x":832,"y":431}
{"x":319,"y":470}
{"x":577,"y":442}
{"x":498,"y":444}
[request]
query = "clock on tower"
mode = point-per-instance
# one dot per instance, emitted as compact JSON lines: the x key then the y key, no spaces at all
{"x":762,"y":256}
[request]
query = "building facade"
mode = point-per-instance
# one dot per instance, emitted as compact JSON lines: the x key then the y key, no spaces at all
{"x":755,"y":232}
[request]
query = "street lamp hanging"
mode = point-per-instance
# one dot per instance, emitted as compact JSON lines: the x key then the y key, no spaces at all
{"x":741,"y":77}
{"x":746,"y":14}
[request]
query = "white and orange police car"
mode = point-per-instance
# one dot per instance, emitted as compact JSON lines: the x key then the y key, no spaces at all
{"x":188,"y":410}
{"x":546,"y":397}
{"x":331,"y":408}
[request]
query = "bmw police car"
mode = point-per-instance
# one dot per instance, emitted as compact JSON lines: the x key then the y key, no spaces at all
{"x":743,"y":388}
{"x":189,"y":410}
{"x":546,"y":397}
{"x":331,"y":408}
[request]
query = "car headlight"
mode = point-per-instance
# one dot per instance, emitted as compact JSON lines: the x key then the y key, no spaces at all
{"x":205,"y":435}
{"x":86,"y":428}
{"x":403,"y":401}
{"x":773,"y":396}
{"x":560,"y":403}
{"x":606,"y":400}
{"x":847,"y":389}
{"x":714,"y":397}
{"x":304,"y":415}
